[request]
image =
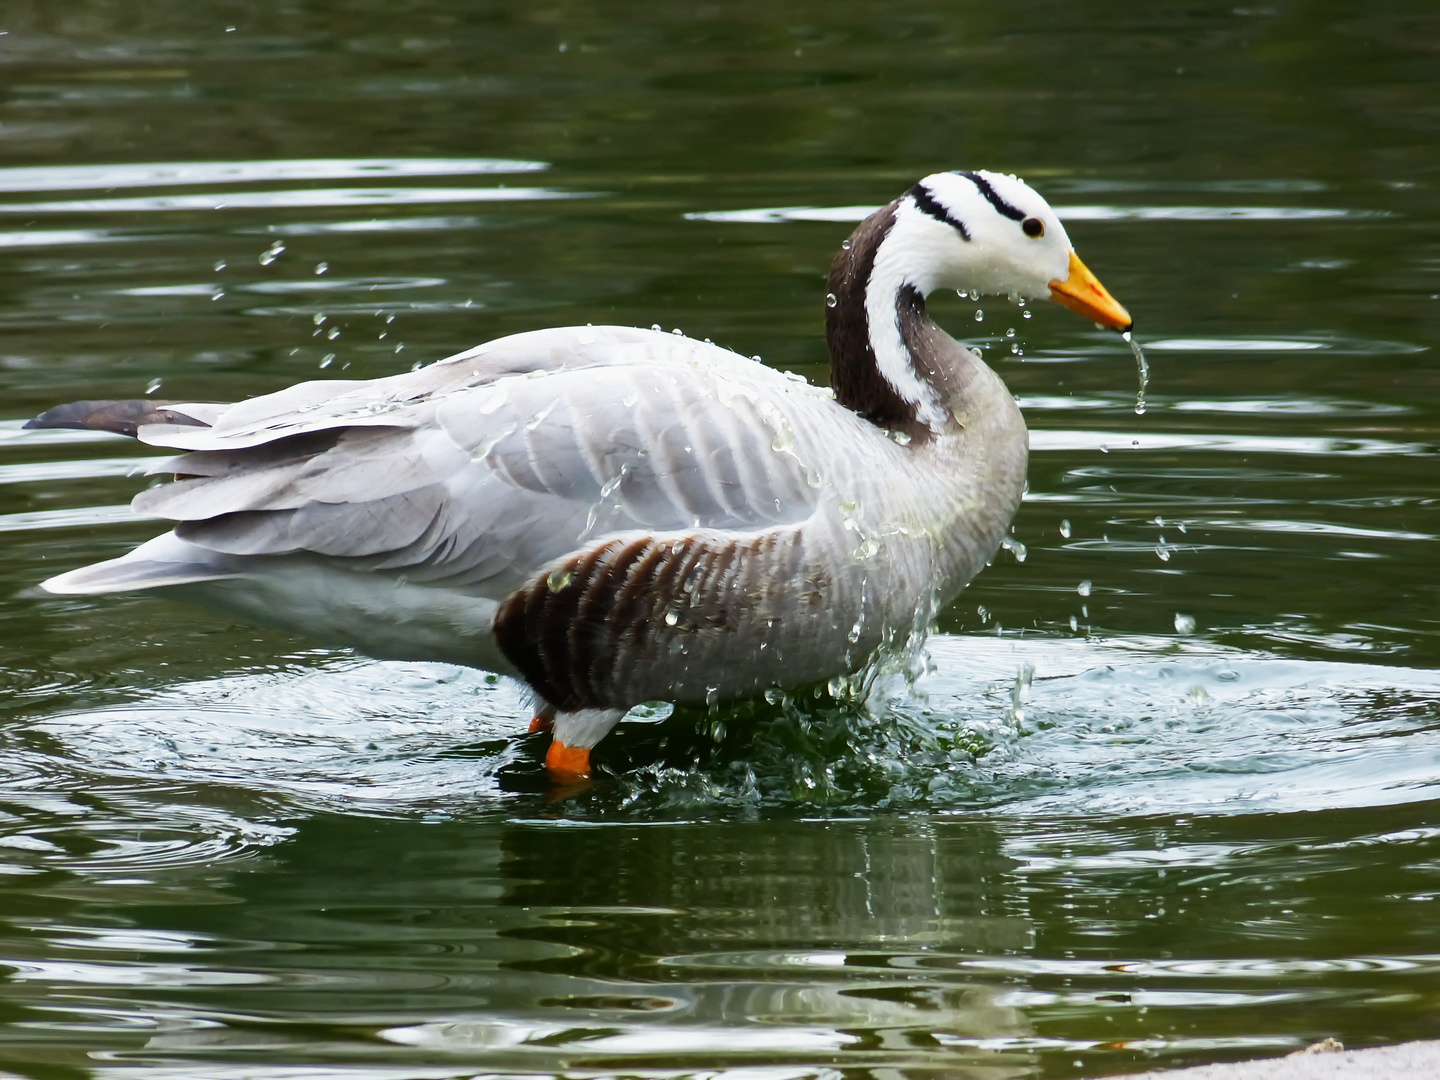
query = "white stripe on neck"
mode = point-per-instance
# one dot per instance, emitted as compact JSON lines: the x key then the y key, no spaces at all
{"x":910,"y":244}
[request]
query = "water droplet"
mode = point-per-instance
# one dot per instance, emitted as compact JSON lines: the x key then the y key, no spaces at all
{"x":1083,"y":588}
{"x":672,"y":618}
{"x":152,"y":386}
{"x":979,"y":315}
{"x":399,"y":348}
{"x":1074,"y":623}
{"x":983,"y":612}
{"x":1142,"y":370}
{"x":784,"y":440}
{"x":318,"y":318}
{"x":327,"y":359}
{"x":1184,"y":624}
{"x":831,"y":299}
{"x":776,"y":696}
{"x":539,"y":418}
{"x":1025,"y":314}
{"x":1163,"y":552}
{"x":321,"y":267}
{"x":1010,"y":332}
{"x":813,"y":477}
{"x":389,"y":319}
{"x":1015,"y":350}
{"x":219,"y":265}
{"x":901,"y":437}
{"x":333,"y":334}
{"x":974,"y":294}
{"x":612,"y":485}
{"x":273,"y":252}
{"x":217,"y":294}
{"x":845,"y":245}
{"x":1181,"y":527}
{"x":1015,"y":547}
{"x":1065,"y":528}
{"x":558,"y":579}
{"x":656,"y":327}
{"x":678,"y":332}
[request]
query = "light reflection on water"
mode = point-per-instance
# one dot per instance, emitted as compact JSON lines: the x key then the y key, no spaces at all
{"x":223,"y":856}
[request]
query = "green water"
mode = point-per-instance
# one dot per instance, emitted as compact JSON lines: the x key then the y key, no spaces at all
{"x":1205,"y":829}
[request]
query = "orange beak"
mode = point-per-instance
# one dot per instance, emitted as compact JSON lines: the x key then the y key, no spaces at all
{"x":1082,"y":292}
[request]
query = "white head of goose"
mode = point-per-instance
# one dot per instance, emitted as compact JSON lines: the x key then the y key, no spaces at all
{"x":617,"y":515}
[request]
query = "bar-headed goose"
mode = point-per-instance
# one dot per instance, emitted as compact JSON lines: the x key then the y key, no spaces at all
{"x":617,"y":515}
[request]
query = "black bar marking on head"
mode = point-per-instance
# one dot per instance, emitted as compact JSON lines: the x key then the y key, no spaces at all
{"x":926,"y":204}
{"x":993,"y":197}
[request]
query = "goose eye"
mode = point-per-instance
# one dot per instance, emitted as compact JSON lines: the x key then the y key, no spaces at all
{"x":1033,"y":227}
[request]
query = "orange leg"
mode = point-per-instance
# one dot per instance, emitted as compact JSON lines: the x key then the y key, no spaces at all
{"x":541,"y":723}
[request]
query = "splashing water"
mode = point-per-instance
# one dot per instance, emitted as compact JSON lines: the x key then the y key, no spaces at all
{"x":1142,"y":369}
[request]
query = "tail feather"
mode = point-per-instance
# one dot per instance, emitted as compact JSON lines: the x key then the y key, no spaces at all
{"x":120,"y":417}
{"x":165,"y":560}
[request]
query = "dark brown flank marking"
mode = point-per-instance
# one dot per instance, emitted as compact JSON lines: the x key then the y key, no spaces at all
{"x":575,"y":643}
{"x":119,"y":417}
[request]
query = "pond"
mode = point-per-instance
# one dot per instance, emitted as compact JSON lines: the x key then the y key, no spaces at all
{"x":1165,"y":792}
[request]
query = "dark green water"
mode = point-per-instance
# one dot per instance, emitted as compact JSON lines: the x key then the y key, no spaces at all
{"x":225,"y":854}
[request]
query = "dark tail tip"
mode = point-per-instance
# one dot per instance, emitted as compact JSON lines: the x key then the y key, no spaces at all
{"x":119,"y":417}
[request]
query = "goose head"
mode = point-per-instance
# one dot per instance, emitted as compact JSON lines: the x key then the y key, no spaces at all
{"x":976,"y":232}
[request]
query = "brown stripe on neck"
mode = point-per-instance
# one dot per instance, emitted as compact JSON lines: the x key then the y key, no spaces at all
{"x":854,"y":375}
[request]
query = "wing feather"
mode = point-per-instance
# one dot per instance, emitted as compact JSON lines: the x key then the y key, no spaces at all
{"x":478,"y":470}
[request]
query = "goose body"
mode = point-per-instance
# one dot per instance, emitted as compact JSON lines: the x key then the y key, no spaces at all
{"x":618,"y":515}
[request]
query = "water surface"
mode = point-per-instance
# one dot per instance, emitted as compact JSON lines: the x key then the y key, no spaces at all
{"x":1163,"y":792}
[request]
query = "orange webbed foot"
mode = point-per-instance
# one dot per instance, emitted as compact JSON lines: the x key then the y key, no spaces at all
{"x":567,"y":764}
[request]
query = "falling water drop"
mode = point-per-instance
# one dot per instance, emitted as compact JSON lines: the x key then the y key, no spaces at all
{"x":327,"y":359}
{"x":1083,"y":588}
{"x":219,"y":265}
{"x":1142,"y":369}
{"x":979,"y":315}
{"x":845,"y":245}
{"x":1065,"y":528}
{"x":321,"y":267}
{"x":831,"y":299}
{"x":557,"y":580}
{"x":152,"y":386}
{"x":1184,"y":624}
{"x":1074,"y":623}
{"x":273,"y":252}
